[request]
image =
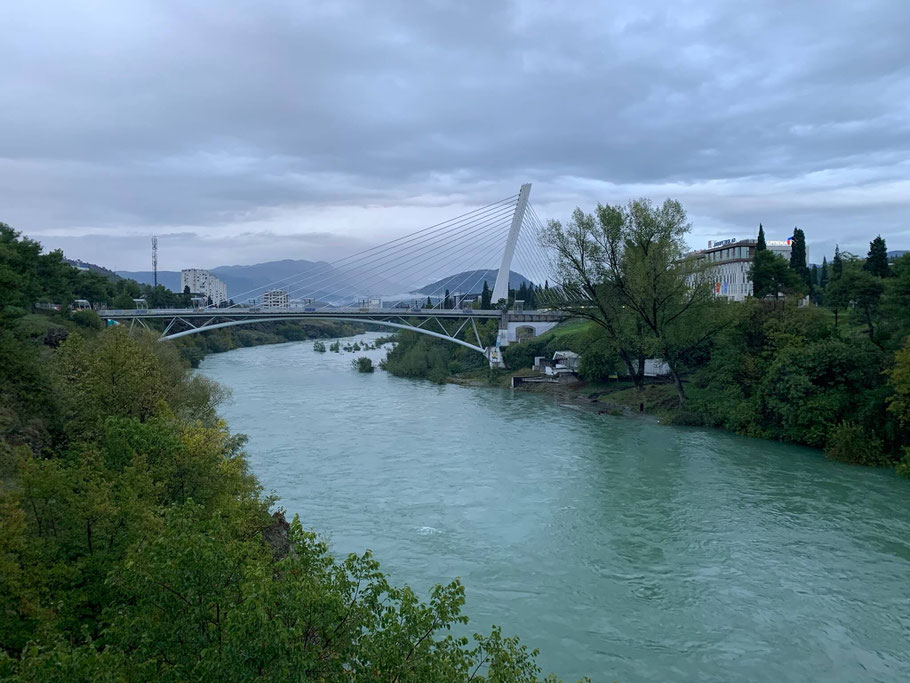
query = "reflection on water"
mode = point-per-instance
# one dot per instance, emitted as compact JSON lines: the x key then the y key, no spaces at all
{"x":619,"y":548}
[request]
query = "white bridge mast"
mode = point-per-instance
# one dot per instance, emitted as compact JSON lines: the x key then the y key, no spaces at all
{"x":501,"y":288}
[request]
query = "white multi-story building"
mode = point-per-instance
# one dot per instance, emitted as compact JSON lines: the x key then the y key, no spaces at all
{"x":276,"y":298}
{"x":729,"y":262}
{"x":205,"y":284}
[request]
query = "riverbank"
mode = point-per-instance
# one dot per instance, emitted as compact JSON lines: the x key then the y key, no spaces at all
{"x":783,"y":374}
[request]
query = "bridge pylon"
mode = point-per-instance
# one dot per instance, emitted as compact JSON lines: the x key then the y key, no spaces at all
{"x":501,"y":287}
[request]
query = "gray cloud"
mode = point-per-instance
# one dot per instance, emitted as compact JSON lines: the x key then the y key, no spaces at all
{"x":278,"y":119}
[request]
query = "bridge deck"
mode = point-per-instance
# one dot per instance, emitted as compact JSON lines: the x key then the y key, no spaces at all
{"x":366,"y":314}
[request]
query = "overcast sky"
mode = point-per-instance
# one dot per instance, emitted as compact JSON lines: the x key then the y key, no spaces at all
{"x":241,"y":132}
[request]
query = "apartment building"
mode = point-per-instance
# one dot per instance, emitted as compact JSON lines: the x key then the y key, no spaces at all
{"x":203,"y":283}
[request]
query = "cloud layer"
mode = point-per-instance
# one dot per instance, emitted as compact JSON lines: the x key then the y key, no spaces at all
{"x":241,"y":132}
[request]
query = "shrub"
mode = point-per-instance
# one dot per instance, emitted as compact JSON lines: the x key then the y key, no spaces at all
{"x":597,"y":364}
{"x":849,"y":442}
{"x":319,"y":346}
{"x":363,"y":364}
{"x":88,"y":319}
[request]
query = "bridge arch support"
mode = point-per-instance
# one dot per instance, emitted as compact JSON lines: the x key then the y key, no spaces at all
{"x":384,"y":323}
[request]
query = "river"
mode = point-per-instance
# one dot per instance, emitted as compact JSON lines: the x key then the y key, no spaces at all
{"x":621,"y":549}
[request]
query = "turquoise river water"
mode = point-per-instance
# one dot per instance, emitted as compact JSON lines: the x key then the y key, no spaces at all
{"x":621,"y":549}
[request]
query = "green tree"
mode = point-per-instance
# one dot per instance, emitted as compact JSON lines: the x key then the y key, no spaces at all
{"x":20,"y":284}
{"x":858,"y":289}
{"x":758,"y":271}
{"x":771,"y":275}
{"x":823,"y":275}
{"x":895,"y":303}
{"x":899,"y":379}
{"x":798,"y":258}
{"x":446,"y":301}
{"x":522,"y":294}
{"x":585,"y":293}
{"x":837,"y":265}
{"x":485,"y":297}
{"x":877,"y":260}
{"x":429,"y":303}
{"x":123,"y":301}
{"x":635,"y":257}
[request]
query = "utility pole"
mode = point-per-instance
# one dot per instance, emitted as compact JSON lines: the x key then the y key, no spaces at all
{"x":155,"y":260}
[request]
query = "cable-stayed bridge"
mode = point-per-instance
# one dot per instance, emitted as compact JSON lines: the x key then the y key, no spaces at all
{"x":386,"y":284}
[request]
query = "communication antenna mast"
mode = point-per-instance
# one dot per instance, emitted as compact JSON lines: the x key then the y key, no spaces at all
{"x":155,"y":259}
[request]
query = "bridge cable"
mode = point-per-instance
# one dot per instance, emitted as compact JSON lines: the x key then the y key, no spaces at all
{"x":480,"y":247}
{"x":429,"y":230}
{"x":336,"y":274}
{"x":415,"y":250}
{"x":456,"y":245}
{"x":445,"y":247}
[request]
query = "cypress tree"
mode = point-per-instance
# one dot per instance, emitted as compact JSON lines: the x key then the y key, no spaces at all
{"x":814,"y":277}
{"x":759,"y":272}
{"x":798,"y":255}
{"x":429,"y":302}
{"x":823,"y":276}
{"x":837,"y":265}
{"x":522,"y":293}
{"x":446,"y":303}
{"x":485,"y":296}
{"x":877,"y":260}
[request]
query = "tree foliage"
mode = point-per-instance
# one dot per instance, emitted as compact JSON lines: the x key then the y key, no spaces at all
{"x":798,"y":259}
{"x":628,"y":270}
{"x":877,"y":260}
{"x":772,"y":276}
{"x":485,"y":297}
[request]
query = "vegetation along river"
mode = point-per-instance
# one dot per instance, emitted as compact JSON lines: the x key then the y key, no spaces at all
{"x":622,"y":549}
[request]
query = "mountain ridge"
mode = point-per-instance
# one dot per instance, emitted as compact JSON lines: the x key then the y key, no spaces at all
{"x":469,"y":282}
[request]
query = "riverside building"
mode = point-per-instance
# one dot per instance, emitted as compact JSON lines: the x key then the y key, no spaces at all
{"x":203,"y":283}
{"x":727,"y":264}
{"x":276,"y":298}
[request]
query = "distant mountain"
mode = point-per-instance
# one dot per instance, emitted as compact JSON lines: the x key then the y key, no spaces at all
{"x":897,"y":253}
{"x":301,"y":278}
{"x":469,"y":282}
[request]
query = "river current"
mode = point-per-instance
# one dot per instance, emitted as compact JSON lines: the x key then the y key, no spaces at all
{"x":621,"y":549}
